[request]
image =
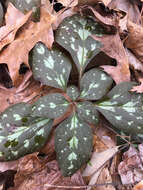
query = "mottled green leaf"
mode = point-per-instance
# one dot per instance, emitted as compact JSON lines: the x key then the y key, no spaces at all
{"x":95,"y":84}
{"x":16,"y":114}
{"x":73,"y":92}
{"x":51,"y":67}
{"x":22,"y":140}
{"x":87,"y":112}
{"x":51,"y":106}
{"x":124,"y":109}
{"x":73,"y":144}
{"x":74,"y":34}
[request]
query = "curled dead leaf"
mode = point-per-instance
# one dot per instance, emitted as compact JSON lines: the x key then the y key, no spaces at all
{"x":130,"y":169}
{"x":14,"y":20}
{"x":134,"y":40}
{"x":31,"y":33}
{"x":113,"y":47}
{"x":130,"y":8}
{"x":34,"y":173}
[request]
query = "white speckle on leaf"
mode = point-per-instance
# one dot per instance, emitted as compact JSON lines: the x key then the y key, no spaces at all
{"x":118,"y":117}
{"x":103,"y":76}
{"x":139,"y":117}
{"x":92,"y":85}
{"x":130,"y":122}
{"x":74,"y":123}
{"x":73,"y":47}
{"x":26,"y":143}
{"x":17,"y":117}
{"x":49,"y":78}
{"x":52,"y":105}
{"x":49,"y":62}
{"x":41,"y":50}
{"x":71,"y":166}
{"x":73,"y":142}
{"x":40,"y":132}
{"x":15,"y":153}
{"x":139,"y":127}
{"x":4,"y":116}
{"x":85,"y":138}
{"x":72,"y":156}
{"x":116,"y":96}
{"x":109,"y":108}
{"x":28,"y":1}
{"x":129,"y":109}
{"x":72,"y":39}
{"x":93,"y":47}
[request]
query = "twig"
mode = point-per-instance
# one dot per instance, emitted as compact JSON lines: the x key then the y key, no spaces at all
{"x":77,"y":187}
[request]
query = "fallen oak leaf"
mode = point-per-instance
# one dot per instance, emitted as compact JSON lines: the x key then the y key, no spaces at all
{"x":134,"y":40}
{"x":98,"y":159}
{"x":28,"y":37}
{"x":130,"y":8}
{"x":14,"y":20}
{"x":113,"y":47}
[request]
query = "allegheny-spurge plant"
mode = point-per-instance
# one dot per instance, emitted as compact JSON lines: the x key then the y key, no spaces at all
{"x":24,"y":128}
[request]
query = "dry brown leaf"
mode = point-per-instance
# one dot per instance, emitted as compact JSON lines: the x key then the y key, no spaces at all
{"x":14,"y":20}
{"x":28,"y":37}
{"x":131,"y":9}
{"x":133,"y":61}
{"x":113,"y":47}
{"x":34,"y":173}
{"x":135,"y":39}
{"x":12,"y":165}
{"x":105,"y":177}
{"x":99,"y":159}
{"x":105,"y":20}
{"x":130,"y":169}
{"x":28,"y":91}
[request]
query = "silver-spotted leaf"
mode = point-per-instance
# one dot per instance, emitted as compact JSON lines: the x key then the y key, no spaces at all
{"x":52,"y":106}
{"x":124,"y":109}
{"x":50,"y":67}
{"x":95,"y":84}
{"x":74,"y":34}
{"x":22,"y":140}
{"x":73,"y":144}
{"x":87,"y":112}
{"x":73,"y":92}
{"x":16,"y":114}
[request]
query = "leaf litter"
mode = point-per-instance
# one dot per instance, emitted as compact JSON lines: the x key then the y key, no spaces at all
{"x":27,"y":89}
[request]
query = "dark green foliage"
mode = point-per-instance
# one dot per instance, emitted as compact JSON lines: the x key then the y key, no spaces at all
{"x":74,"y":34}
{"x":124,"y":109}
{"x":73,"y":92}
{"x":51,"y":67}
{"x":51,"y":106}
{"x":94,"y":84}
{"x":73,"y":144}
{"x":87,"y":112}
{"x":19,"y":135}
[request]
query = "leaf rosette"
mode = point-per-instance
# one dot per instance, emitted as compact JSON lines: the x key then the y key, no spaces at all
{"x":25,"y":128}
